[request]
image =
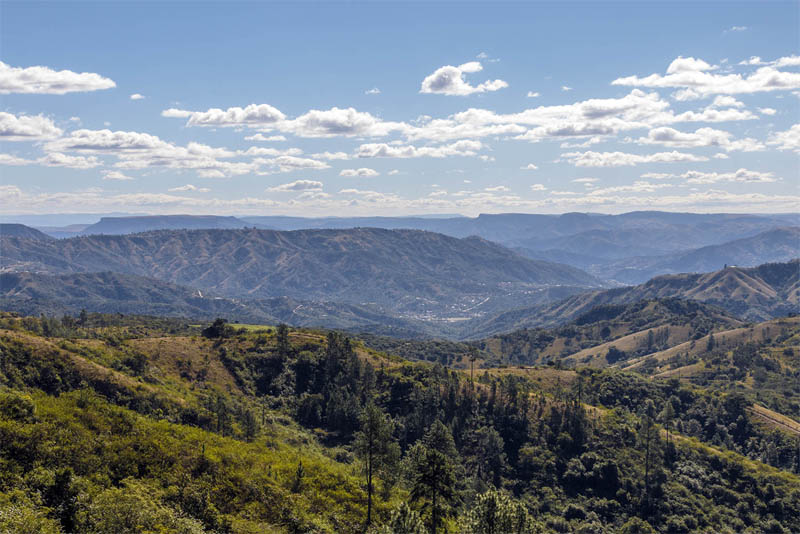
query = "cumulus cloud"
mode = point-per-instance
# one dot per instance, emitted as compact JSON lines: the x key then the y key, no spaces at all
{"x":450,"y":80}
{"x":43,"y":80}
{"x":289,"y":164}
{"x":787,"y":61}
{"x":384,"y":150}
{"x":331,"y":155}
{"x":497,"y":189}
{"x":53,"y":159}
{"x":189,"y":187}
{"x":135,"y":150}
{"x":8,"y":159}
{"x":533,"y":94}
{"x":363,"y":172}
{"x":787,"y":140}
{"x":373,"y":91}
{"x":56,"y":159}
{"x":767,"y":111}
{"x":538,"y":187}
{"x":347,"y":122}
{"x":137,"y":96}
{"x":566,"y":88}
{"x":252,"y":115}
{"x":116,"y":175}
{"x":741,"y":175}
{"x":621,"y":159}
{"x":587,"y":181}
{"x":699,"y":138}
{"x":26,"y":127}
{"x":529,"y":167}
{"x":262,"y":137}
{"x":297,"y":185}
{"x":693,"y":79}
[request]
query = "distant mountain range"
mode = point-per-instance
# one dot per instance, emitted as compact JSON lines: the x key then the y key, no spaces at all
{"x":107,"y":292}
{"x":414,"y":274}
{"x":629,"y":248}
{"x":22,"y":231}
{"x":759,"y":293}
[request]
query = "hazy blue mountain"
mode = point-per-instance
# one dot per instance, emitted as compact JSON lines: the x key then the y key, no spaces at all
{"x":419,"y":274}
{"x":23,"y":232}
{"x":133,"y":225}
{"x":759,"y":293}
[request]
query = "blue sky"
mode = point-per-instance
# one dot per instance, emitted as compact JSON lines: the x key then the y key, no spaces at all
{"x":399,"y":108}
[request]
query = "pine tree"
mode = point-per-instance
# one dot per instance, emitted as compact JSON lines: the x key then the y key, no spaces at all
{"x":375,"y":447}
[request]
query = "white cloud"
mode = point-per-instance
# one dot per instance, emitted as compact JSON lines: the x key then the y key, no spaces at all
{"x":533,"y":94}
{"x":767,"y":111}
{"x":331,"y":155}
{"x":262,"y":137}
{"x":393,"y":172}
{"x":699,"y":177}
{"x":297,"y":185}
{"x":688,"y":64}
{"x":566,"y":88}
{"x":363,"y":172}
{"x":8,"y":159}
{"x":726,"y":101}
{"x":699,"y":83}
{"x":787,"y":61}
{"x":189,"y":187}
{"x":529,"y":167}
{"x":53,"y":159}
{"x":373,"y":91}
{"x":135,"y":150}
{"x":26,"y":127}
{"x":497,"y":189}
{"x":290,"y":163}
{"x":43,"y":80}
{"x":538,"y":187}
{"x":787,"y":140}
{"x":737,"y":29}
{"x":699,"y":138}
{"x":252,"y":115}
{"x":450,"y":80}
{"x":383,"y":150}
{"x":721,"y":155}
{"x":116,"y":175}
{"x":137,"y":96}
{"x":56,"y":159}
{"x":347,"y":122}
{"x":620,"y":159}
{"x":587,"y":181}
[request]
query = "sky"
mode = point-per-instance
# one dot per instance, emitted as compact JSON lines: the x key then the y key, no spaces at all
{"x":350,"y":108}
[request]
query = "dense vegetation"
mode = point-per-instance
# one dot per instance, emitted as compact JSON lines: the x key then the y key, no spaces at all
{"x":131,"y":424}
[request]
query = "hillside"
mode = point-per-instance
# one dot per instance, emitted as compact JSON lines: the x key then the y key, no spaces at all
{"x":106,"y":292}
{"x":23,"y":232}
{"x":639,"y":327}
{"x":758,"y":293}
{"x":773,"y":246}
{"x":127,"y":424}
{"x":418,"y":274}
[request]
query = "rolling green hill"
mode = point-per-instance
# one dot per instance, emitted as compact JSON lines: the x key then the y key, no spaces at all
{"x":113,"y":423}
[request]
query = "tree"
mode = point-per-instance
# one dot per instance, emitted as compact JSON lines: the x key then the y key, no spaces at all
{"x":375,"y":446}
{"x":403,"y":520}
{"x":218,"y":329}
{"x":648,"y":438}
{"x":282,"y":339}
{"x":495,"y":512}
{"x":434,"y":478}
